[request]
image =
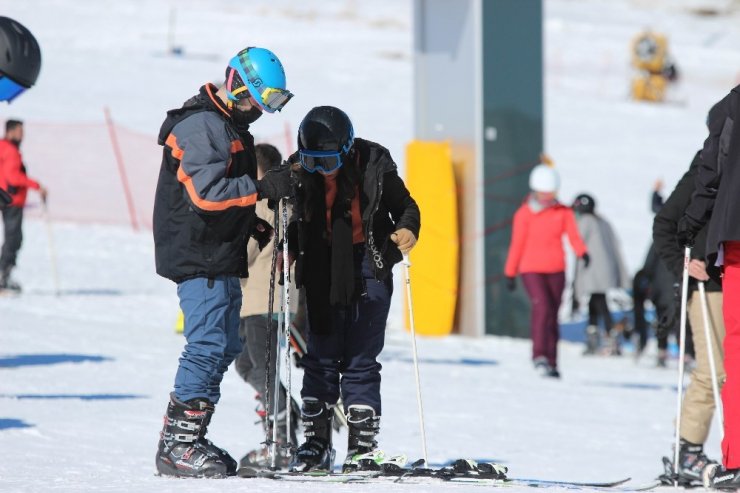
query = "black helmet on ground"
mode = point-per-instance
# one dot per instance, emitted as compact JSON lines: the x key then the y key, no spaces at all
{"x":584,"y":204}
{"x":325,"y":137}
{"x":20,"y":59}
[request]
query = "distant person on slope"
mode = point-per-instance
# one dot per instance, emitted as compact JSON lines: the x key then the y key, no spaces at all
{"x":15,"y":181}
{"x":354,"y":218}
{"x":536,"y":254}
{"x":605,"y":272}
{"x":204,"y":211}
{"x":698,"y":406}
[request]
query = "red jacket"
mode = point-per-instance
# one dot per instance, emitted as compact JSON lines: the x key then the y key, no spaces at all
{"x":537,"y":240}
{"x":13,"y":178}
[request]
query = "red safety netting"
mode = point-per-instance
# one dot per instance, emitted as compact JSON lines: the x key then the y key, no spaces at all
{"x":96,"y":172}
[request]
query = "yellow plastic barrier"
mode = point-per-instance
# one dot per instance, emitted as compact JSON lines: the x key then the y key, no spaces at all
{"x":435,"y":259}
{"x":180,"y":322}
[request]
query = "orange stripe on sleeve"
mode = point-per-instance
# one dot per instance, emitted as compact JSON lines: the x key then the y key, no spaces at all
{"x":172,"y":143}
{"x":208,"y":205}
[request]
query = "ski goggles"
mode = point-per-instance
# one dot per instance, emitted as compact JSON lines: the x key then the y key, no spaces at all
{"x":9,"y":89}
{"x":324,"y":161}
{"x":271,"y":99}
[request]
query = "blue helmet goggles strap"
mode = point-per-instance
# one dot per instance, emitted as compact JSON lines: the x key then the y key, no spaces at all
{"x":308,"y":158}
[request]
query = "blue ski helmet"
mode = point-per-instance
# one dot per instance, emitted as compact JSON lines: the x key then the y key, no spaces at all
{"x":258,"y":73}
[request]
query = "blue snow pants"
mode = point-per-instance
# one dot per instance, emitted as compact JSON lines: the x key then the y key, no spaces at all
{"x":345,"y":358}
{"x":211,"y":308}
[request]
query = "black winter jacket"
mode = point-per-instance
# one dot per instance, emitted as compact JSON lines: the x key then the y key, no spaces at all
{"x":666,"y":220}
{"x":385,"y":204}
{"x":204,"y":203}
{"x":716,"y":199}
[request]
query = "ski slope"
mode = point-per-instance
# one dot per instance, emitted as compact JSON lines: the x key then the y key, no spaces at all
{"x":84,"y":376}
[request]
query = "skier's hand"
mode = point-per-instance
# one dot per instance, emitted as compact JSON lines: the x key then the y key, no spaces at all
{"x":276,"y":184}
{"x":262,"y":232}
{"x":510,"y":283}
{"x":698,"y":270}
{"x":686,"y":230}
{"x":279,"y":264}
{"x":44,"y":193}
{"x":404,"y":238}
{"x":586,"y":259}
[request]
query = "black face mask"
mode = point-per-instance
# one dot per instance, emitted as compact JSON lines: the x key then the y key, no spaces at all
{"x":16,"y":142}
{"x":242,"y":119}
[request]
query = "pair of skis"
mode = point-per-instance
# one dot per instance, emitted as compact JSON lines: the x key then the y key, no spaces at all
{"x":394,"y":469}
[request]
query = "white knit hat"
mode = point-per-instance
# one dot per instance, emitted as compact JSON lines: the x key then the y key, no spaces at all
{"x":544,"y":178}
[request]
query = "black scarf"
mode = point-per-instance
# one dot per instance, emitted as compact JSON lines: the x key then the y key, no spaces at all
{"x":330,"y":263}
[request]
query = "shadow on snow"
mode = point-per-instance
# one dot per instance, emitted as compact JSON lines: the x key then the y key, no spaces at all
{"x":48,"y":359}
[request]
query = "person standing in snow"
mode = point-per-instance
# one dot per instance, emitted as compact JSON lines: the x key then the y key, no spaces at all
{"x":204,"y":211}
{"x":255,"y":327}
{"x":16,"y":182}
{"x":353,"y":220}
{"x":698,"y":405}
{"x":654,"y":281}
{"x":716,"y":202}
{"x":536,"y":254}
{"x":605,"y":272}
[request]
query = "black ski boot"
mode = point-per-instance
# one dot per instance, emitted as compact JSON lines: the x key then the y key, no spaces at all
{"x":719,"y":478}
{"x":183,"y":449}
{"x":692,"y":464}
{"x":363,"y":425}
{"x":316,"y":453}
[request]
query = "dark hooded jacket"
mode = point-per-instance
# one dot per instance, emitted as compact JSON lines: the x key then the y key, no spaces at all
{"x":716,"y":199}
{"x":665,"y":227}
{"x":385,"y":205}
{"x":204,"y":203}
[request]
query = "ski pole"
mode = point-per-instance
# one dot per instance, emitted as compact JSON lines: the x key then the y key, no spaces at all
{"x":681,"y":353}
{"x":709,"y":335}
{"x":52,"y":249}
{"x":406,"y":265}
{"x":268,"y":339}
{"x":286,"y":321}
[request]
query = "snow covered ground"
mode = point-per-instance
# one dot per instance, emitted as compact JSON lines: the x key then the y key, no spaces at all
{"x":84,"y":376}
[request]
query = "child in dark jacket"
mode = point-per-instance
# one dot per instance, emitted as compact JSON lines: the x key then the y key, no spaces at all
{"x":353,"y":220}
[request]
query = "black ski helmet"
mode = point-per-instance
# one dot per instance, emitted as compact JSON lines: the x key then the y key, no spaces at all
{"x":326,"y":128}
{"x":20,"y":55}
{"x":584,"y":204}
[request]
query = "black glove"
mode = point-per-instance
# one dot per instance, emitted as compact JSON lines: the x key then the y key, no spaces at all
{"x":686,"y":230}
{"x":510,"y":283}
{"x":5,"y":198}
{"x":261,"y":232}
{"x":276,"y":184}
{"x":586,"y":259}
